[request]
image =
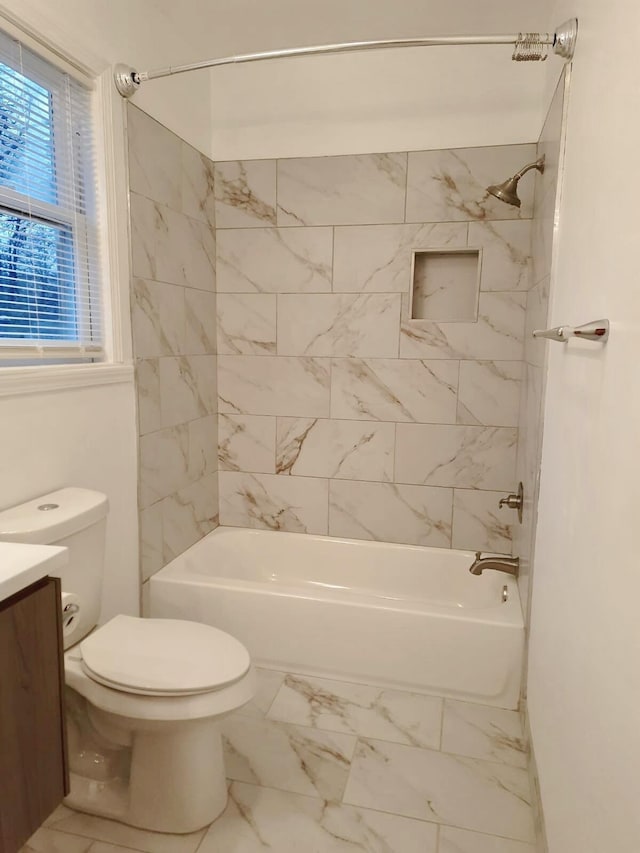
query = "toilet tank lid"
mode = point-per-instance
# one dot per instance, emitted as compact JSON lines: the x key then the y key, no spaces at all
{"x":52,"y":517}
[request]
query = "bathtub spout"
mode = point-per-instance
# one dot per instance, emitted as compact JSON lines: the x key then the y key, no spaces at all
{"x":510,"y":565}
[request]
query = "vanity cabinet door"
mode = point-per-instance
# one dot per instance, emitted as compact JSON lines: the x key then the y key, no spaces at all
{"x":33,"y":772}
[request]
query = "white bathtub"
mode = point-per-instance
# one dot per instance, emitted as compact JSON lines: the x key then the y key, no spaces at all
{"x":396,"y":615}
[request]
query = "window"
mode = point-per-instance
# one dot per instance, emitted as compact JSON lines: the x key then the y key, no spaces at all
{"x":49,"y":272}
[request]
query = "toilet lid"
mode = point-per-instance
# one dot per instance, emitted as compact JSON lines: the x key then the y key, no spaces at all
{"x":162,"y":657}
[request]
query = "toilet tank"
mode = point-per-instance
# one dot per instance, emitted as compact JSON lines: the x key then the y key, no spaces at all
{"x":76,"y":519}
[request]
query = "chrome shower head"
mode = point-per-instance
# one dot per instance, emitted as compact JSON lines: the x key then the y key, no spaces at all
{"x":507,"y":191}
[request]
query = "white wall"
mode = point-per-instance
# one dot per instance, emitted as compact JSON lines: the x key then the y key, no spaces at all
{"x":80,"y":437}
{"x":146,"y":35}
{"x":87,"y":436}
{"x":383,"y":101}
{"x":584,"y":678}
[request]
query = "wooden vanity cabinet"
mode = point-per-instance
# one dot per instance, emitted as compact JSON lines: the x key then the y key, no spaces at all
{"x":34,"y":775}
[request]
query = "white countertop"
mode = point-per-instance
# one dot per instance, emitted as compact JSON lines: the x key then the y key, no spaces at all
{"x":22,"y":565}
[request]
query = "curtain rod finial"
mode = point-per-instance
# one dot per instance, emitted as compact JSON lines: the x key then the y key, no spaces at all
{"x":126,"y":80}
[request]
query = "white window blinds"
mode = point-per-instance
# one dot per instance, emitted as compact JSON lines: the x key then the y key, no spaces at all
{"x":50,"y":296}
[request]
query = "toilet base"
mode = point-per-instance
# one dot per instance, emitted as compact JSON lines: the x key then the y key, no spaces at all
{"x":168,"y":778}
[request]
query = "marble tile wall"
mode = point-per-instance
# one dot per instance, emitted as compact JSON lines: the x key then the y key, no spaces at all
{"x":338,"y":413}
{"x":173,"y":312}
{"x":530,"y":419}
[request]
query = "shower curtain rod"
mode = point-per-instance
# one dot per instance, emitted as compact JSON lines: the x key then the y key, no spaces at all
{"x":527,"y":47}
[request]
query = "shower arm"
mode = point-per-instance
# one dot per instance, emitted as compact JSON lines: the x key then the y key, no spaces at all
{"x":537,"y":164}
{"x":127,"y":80}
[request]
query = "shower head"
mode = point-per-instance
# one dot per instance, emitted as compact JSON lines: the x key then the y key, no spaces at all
{"x":507,"y":191}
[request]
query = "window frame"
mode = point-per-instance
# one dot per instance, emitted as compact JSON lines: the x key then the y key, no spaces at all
{"x":108,"y":118}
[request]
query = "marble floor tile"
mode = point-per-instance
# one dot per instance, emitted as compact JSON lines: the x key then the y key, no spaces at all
{"x":481,"y":732}
{"x":434,"y":786}
{"x":259,"y":819}
{"x":268,"y":683}
{"x":461,"y":841}
{"x":337,"y":706}
{"x":51,"y":841}
{"x":112,"y":832}
{"x":290,"y":758}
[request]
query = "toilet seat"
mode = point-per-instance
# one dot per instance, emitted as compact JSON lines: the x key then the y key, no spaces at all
{"x":162,"y":657}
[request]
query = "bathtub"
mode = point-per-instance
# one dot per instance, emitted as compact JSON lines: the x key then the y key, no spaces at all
{"x":399,"y":616}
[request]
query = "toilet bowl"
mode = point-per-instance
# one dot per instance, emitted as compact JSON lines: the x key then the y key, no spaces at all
{"x":144,"y":745}
{"x":144,"y":696}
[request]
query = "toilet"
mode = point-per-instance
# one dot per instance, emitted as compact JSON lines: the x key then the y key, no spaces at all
{"x":143,"y":696}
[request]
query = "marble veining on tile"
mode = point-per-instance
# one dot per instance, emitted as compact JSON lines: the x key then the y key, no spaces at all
{"x":342,"y":190}
{"x":158,"y":318}
{"x":448,"y":789}
{"x":200,"y":322}
{"x":274,"y":385}
{"x":154,"y":159}
{"x":259,"y":819}
{"x":148,"y":395}
{"x":245,"y":192}
{"x":479,"y":524}
{"x":307,"y":775}
{"x":394,"y":390}
{"x":467,"y":457}
{"x":391,"y":715}
{"x":110,"y":831}
{"x":272,"y":502}
{"x":247,"y":443}
{"x":246,"y":323}
{"x":189,"y":514}
{"x":378,"y":258}
{"x":198,"y":193}
{"x":506,"y":253}
{"x":497,"y":335}
{"x":291,"y":758}
{"x":388,"y":512}
{"x":164,"y":463}
{"x":462,"y":841}
{"x":188,"y":388}
{"x":275,"y":260}
{"x":450,"y":185}
{"x":339,"y":325}
{"x":349,"y":450}
{"x":492,"y":734}
{"x":489,"y":392}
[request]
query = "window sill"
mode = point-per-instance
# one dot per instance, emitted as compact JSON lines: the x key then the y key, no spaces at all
{"x":38,"y":379}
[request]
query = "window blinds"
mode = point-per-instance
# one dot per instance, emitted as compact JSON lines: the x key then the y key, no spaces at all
{"x":50,"y":296}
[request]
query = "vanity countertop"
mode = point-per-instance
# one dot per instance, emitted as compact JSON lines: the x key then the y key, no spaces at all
{"x":21,"y":565}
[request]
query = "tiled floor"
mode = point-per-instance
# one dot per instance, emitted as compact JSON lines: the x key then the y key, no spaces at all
{"x":321,"y":766}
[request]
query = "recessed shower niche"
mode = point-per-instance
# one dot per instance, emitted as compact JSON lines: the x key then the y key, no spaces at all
{"x":445,"y":285}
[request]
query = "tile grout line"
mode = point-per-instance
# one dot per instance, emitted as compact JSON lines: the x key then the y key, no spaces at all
{"x":436,"y":824}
